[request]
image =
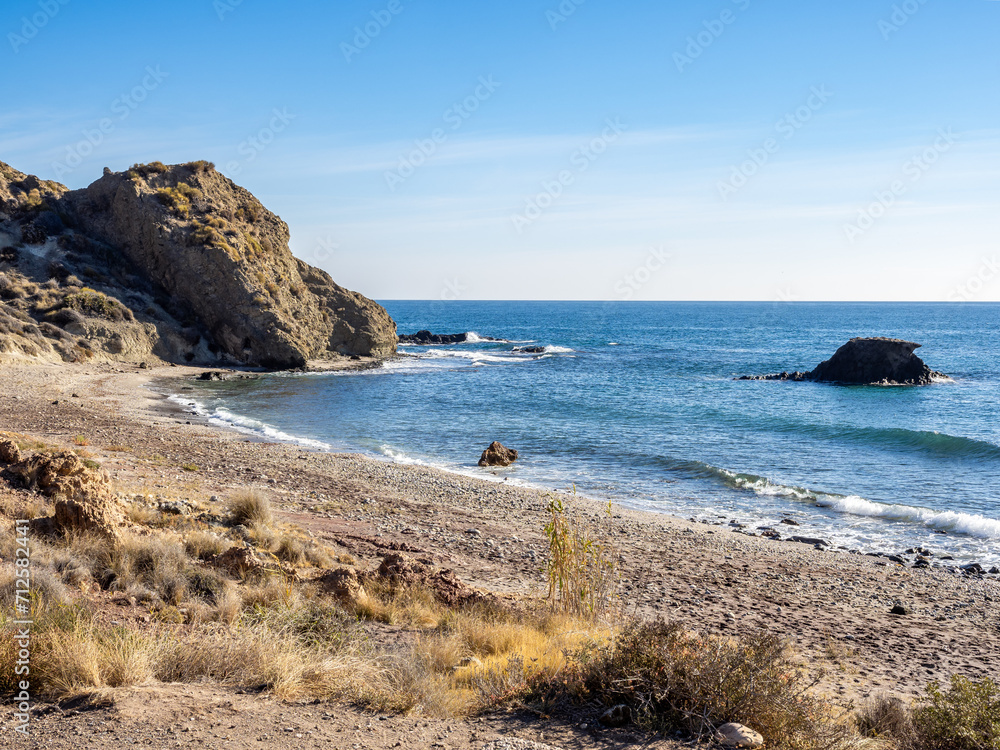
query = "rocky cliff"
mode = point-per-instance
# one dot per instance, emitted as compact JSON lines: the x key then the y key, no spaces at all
{"x":176,"y":262}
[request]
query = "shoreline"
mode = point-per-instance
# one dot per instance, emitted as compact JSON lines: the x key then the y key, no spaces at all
{"x":755,"y":525}
{"x":833,"y":607}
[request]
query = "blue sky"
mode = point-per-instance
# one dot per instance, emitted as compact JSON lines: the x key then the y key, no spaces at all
{"x":530,"y":149}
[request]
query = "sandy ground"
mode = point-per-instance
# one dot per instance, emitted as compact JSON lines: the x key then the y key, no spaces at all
{"x":832,"y":606}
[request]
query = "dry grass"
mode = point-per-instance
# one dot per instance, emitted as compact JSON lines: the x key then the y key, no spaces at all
{"x":886,"y":718}
{"x":204,"y":544}
{"x":251,"y":508}
{"x":307,"y":651}
{"x":411,"y":606}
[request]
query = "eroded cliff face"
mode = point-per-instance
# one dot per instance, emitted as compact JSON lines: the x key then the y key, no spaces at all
{"x":192,"y":259}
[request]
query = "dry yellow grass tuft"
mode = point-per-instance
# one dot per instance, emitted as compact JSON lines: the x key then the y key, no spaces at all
{"x":251,"y":508}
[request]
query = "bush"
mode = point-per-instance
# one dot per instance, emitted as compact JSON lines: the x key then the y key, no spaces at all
{"x":209,"y":236}
{"x":145,"y":170}
{"x":966,"y":716}
{"x":97,"y":304}
{"x":200,"y":166}
{"x":884,"y":717}
{"x":674,"y":679}
{"x":250,"y":508}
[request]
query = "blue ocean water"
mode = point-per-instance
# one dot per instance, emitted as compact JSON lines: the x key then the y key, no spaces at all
{"x":636,"y":402}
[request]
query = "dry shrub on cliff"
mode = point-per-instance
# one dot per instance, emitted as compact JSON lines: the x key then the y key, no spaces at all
{"x":179,"y":199}
{"x":146,"y":170}
{"x":200,"y":166}
{"x":97,"y":304}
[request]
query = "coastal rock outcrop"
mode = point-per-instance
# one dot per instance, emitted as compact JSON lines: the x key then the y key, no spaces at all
{"x":83,"y":497}
{"x":867,"y":361}
{"x":426,"y":338}
{"x":176,"y":262}
{"x":396,"y":572}
{"x":498,"y":455}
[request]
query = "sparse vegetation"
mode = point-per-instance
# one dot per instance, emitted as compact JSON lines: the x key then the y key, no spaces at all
{"x":97,"y":304}
{"x":80,"y":440}
{"x":249,"y":212}
{"x":190,"y":467}
{"x":147,"y":170}
{"x":178,"y":199}
{"x":271,"y":627}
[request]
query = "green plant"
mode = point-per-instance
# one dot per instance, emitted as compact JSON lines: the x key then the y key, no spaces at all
{"x":582,"y":566}
{"x":80,"y":440}
{"x":191,"y":467}
{"x":965,"y":716}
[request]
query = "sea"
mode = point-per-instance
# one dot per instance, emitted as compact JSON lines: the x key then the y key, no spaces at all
{"x":637,"y":403}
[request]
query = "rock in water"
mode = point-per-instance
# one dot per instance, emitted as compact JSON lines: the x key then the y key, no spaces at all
{"x":427,"y":338}
{"x":737,"y":735}
{"x":871,"y":361}
{"x":875,"y":360}
{"x":498,"y":455}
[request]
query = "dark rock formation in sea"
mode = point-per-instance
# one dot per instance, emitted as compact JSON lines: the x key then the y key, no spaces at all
{"x":498,"y":455}
{"x":529,"y":349}
{"x":175,"y":262}
{"x":867,"y":361}
{"x":427,"y":338}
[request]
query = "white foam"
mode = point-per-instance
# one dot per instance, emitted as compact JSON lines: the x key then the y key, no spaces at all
{"x":471,"y":337}
{"x":972,"y":524}
{"x":558,"y":350}
{"x":222,"y":417}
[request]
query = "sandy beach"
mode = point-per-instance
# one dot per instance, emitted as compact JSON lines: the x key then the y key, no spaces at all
{"x":833,"y":607}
